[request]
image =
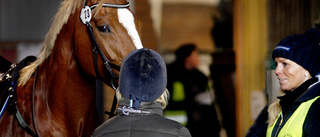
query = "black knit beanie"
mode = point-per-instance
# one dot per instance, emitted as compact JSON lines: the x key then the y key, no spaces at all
{"x":301,"y":48}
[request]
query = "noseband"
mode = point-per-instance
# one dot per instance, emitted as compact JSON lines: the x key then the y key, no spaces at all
{"x":85,"y":17}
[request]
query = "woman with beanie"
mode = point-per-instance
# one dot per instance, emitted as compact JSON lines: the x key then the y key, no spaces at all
{"x":296,"y":112}
{"x":143,"y":96}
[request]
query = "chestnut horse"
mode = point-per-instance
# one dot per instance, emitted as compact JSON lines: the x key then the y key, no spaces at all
{"x":56,"y":94}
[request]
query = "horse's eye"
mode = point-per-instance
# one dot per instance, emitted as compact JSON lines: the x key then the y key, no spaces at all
{"x":104,"y":28}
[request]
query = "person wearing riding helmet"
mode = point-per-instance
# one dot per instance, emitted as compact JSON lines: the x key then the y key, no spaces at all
{"x":143,"y":96}
{"x":296,"y":112}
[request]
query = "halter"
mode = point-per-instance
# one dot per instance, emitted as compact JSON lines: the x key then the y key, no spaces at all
{"x":85,"y":17}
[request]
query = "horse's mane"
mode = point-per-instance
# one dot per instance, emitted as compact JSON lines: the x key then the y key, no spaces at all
{"x":67,"y":8}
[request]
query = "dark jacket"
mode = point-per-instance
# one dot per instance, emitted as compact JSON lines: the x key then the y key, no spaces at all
{"x":148,"y":121}
{"x":199,"y":115}
{"x":290,"y":102}
{"x":194,"y":82}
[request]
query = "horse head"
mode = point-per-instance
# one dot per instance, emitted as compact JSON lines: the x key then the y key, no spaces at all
{"x":112,"y":33}
{"x":115,"y":30}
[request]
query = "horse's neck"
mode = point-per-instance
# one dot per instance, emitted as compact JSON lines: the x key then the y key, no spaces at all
{"x":66,"y":84}
{"x":66,"y":94}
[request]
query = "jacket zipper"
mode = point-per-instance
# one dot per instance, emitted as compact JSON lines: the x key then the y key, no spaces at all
{"x":278,"y":129}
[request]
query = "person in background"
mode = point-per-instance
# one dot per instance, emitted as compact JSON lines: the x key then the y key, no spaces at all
{"x":191,"y":96}
{"x":296,"y":111}
{"x":143,"y":96}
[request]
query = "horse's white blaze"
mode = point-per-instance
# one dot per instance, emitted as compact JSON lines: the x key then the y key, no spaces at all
{"x":127,"y":20}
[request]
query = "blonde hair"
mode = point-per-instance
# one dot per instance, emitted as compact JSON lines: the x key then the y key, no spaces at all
{"x":163,"y":99}
{"x":274,"y":110}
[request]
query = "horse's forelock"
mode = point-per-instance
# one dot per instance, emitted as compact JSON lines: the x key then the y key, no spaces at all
{"x":67,"y":8}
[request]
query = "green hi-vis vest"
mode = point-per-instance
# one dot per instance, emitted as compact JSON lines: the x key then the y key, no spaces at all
{"x":294,"y":126}
{"x":178,"y":92}
{"x":177,"y":96}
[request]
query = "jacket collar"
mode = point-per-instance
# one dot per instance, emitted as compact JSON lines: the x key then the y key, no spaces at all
{"x":312,"y":91}
{"x":146,"y":108}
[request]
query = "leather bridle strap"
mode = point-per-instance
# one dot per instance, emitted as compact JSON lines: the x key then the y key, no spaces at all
{"x":23,"y":123}
{"x":107,"y":64}
{"x":111,"y":5}
{"x":86,"y":18}
{"x":13,"y":103}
